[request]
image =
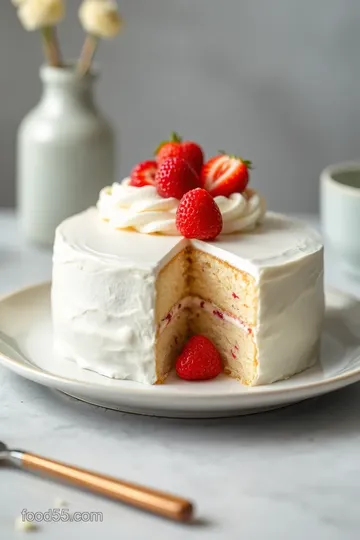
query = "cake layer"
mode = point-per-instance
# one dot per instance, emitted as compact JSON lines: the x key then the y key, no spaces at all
{"x":235,"y":343}
{"x":230,"y":289}
{"x":170,"y":343}
{"x":194,"y":315}
{"x":171,"y":284}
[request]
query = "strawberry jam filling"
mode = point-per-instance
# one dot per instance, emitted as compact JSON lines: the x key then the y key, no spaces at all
{"x":193,"y":302}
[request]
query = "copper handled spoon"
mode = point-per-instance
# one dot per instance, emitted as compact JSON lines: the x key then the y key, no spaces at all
{"x":152,"y":500}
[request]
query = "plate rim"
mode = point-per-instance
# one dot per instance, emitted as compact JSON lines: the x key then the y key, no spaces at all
{"x":265,"y":391}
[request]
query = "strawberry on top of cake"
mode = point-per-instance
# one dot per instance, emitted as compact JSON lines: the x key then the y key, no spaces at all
{"x":149,"y":199}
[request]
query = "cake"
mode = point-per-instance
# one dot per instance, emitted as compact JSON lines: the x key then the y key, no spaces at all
{"x":128,"y":290}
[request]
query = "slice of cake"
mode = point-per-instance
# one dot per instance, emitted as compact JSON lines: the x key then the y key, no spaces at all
{"x":128,"y":290}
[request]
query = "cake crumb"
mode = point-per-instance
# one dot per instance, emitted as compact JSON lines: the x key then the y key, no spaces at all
{"x":60,"y":503}
{"x":24,"y":525}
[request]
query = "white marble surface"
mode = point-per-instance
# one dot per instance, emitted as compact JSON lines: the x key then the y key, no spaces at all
{"x":289,"y":474}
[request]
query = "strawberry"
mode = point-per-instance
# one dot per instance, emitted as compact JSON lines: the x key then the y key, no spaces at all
{"x":198,"y":216}
{"x":175,"y":177}
{"x":176,"y":147}
{"x":193,"y":154}
{"x":225,"y":174}
{"x":143,"y":174}
{"x":169,"y":149}
{"x":199,"y":360}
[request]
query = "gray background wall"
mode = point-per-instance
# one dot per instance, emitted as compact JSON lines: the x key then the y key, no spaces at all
{"x":277,"y":81}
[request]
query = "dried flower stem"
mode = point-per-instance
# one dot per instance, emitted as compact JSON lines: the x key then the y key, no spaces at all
{"x":51,"y":46}
{"x":87,"y":54}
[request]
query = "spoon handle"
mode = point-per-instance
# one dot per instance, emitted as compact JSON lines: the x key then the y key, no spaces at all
{"x":152,"y":500}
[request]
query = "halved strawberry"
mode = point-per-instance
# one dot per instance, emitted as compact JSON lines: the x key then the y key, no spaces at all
{"x":143,"y":174}
{"x":176,"y":147}
{"x":225,"y":174}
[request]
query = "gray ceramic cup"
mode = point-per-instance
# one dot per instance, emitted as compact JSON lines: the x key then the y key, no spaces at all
{"x":340,"y":213}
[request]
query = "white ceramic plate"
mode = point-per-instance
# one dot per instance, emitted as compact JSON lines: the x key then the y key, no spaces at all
{"x":26,"y":349}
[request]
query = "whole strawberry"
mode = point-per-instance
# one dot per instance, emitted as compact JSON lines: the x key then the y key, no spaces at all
{"x":176,"y":147}
{"x":198,"y":216}
{"x":199,"y":360}
{"x":143,"y":174}
{"x":225,"y":174}
{"x":175,"y":177}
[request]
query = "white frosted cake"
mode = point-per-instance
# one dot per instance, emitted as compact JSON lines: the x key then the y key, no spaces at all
{"x":128,"y":290}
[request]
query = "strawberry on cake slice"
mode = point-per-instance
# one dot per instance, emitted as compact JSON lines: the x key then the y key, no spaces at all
{"x":180,"y":266}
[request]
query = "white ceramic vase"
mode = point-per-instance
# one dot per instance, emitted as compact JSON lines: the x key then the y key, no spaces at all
{"x":65,"y":154}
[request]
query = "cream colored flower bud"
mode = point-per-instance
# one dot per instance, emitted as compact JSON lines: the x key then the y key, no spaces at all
{"x":18,"y":3}
{"x":35,"y":14}
{"x":100,"y":18}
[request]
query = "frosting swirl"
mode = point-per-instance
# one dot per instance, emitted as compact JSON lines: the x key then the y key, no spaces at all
{"x":241,"y":211}
{"x":143,"y":209}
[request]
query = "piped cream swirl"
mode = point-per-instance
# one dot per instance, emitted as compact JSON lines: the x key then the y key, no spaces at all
{"x":241,"y":211}
{"x":144,"y":210}
{"x":139,"y":208}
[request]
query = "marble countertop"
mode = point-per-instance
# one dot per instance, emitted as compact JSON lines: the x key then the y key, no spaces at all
{"x":288,"y":474}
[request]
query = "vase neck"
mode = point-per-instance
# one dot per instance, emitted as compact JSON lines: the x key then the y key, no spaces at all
{"x":68,"y":96}
{"x":63,"y":88}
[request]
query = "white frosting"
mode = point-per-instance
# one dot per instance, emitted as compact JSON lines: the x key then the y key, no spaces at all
{"x":103,"y":293}
{"x":106,"y":314}
{"x":144,"y":210}
{"x":241,"y":211}
{"x":138,"y":208}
